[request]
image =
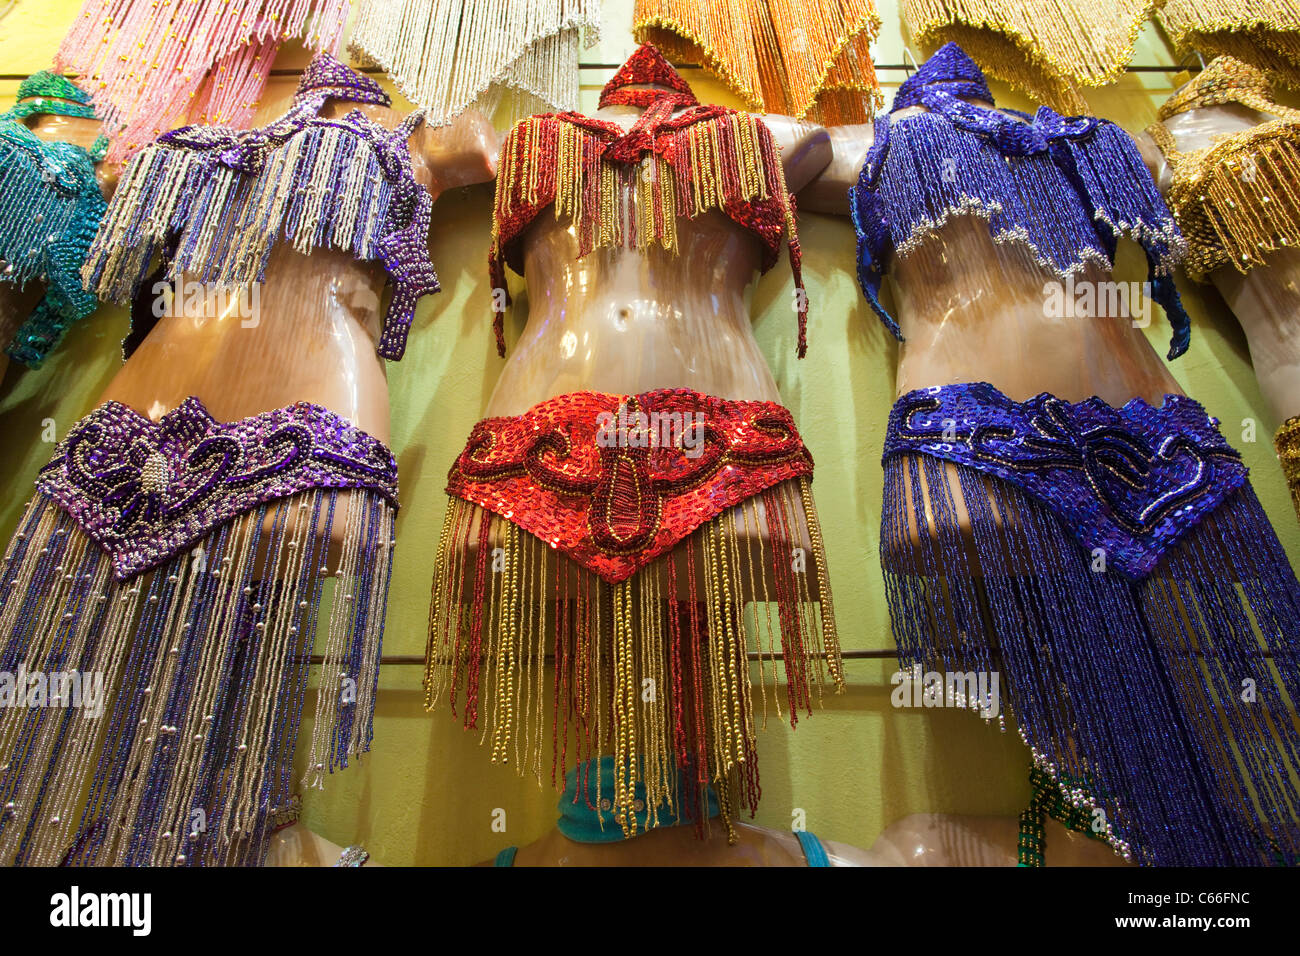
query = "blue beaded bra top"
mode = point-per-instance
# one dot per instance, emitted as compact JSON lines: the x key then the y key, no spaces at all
{"x":211,"y":202}
{"x":1065,"y":188}
{"x":50,"y":207}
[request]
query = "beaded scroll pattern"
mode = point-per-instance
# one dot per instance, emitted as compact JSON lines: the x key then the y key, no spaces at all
{"x":632,"y":561}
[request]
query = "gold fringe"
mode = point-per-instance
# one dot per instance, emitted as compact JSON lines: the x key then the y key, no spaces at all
{"x":808,"y":60}
{"x":628,"y":679}
{"x":1287,"y":443}
{"x":1265,"y":33}
{"x":1239,"y":200}
{"x":1046,"y":48}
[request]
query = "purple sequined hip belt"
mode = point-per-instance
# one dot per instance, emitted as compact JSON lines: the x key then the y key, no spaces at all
{"x":130,"y":571}
{"x":144,"y":491}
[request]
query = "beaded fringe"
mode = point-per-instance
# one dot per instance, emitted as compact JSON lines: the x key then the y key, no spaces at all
{"x":1265,"y":33}
{"x":46,"y":225}
{"x":811,"y":60}
{"x":1245,"y":203}
{"x":449,"y":55}
{"x":325,"y":188}
{"x":654,"y":669}
{"x":1047,"y":48}
{"x":147,"y":64}
{"x":1287,"y":443}
{"x":205,"y":661}
{"x":722,"y":163}
{"x":1173,"y":696}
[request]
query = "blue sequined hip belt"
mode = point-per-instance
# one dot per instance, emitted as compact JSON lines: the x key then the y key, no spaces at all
{"x":1116,"y":564}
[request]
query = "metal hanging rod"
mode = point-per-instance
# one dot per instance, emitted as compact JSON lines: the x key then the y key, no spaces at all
{"x":407,"y":660}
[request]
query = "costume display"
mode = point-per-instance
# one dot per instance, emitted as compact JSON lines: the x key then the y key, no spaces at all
{"x":1047,"y":48}
{"x":50,"y":207}
{"x":809,"y":60}
{"x":1265,"y":33}
{"x":186,"y":559}
{"x":148,"y":64}
{"x":621,"y":527}
{"x":1237,"y":199}
{"x":448,"y":55}
{"x":1112,"y":562}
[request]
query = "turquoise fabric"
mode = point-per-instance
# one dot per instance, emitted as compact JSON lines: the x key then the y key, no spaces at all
{"x":507,"y":856}
{"x":813,"y":850}
{"x":590,"y":819}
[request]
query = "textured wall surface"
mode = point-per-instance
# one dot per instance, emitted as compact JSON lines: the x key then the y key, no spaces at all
{"x":427,"y":792}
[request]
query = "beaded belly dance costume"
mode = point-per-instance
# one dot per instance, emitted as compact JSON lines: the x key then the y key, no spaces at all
{"x":1047,"y":48}
{"x":148,"y":64}
{"x":183,"y":563}
{"x":448,"y":55}
{"x":615,"y":525}
{"x":1238,"y":201}
{"x":810,"y":59}
{"x":1265,"y":33}
{"x":1117,"y":564}
{"x":50,"y":207}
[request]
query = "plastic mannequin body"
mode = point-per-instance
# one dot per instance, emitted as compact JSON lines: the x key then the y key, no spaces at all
{"x":974,"y":310}
{"x":940,"y":839}
{"x":295,"y":845}
{"x":1265,"y":300}
{"x":625,"y":321}
{"x":17,"y":304}
{"x":313,"y":335}
{"x":679,"y":846}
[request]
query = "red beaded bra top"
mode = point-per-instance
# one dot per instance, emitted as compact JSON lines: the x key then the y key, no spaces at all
{"x":627,"y":188}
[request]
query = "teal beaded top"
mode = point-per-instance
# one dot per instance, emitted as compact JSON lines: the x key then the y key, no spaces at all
{"x":50,"y":208}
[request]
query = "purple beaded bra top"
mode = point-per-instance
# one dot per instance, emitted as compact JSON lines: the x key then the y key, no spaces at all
{"x":1065,"y":188}
{"x":211,"y":202}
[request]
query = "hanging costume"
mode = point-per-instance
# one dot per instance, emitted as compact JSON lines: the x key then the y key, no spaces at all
{"x":1047,"y":48}
{"x":185,"y":559}
{"x":148,"y":63}
{"x":448,"y":55}
{"x":50,"y":207}
{"x":1264,"y":33}
{"x":583,"y":500}
{"x":809,"y":60}
{"x":1117,"y":567}
{"x":1238,"y":201}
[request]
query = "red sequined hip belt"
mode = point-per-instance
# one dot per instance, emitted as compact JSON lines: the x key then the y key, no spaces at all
{"x":668,"y":540}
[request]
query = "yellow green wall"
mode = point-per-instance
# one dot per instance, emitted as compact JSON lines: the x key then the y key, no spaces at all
{"x":427,"y":792}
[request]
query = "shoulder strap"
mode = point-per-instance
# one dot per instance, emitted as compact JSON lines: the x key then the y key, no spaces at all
{"x":813,"y":850}
{"x":506,"y":857}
